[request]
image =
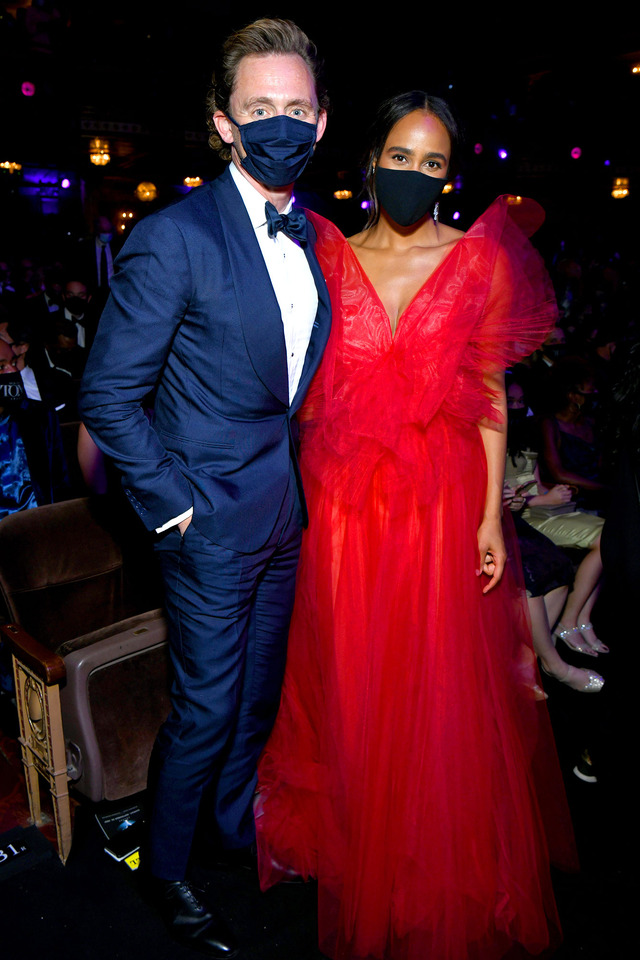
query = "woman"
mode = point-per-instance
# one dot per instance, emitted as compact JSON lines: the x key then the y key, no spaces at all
{"x":570,"y":449}
{"x":400,"y":770}
{"x":549,"y":516}
{"x":546,"y":568}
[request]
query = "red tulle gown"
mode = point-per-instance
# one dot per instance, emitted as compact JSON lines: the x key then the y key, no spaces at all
{"x":412,"y":770}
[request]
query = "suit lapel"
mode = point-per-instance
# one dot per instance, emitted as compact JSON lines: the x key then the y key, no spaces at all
{"x":321,"y":325}
{"x":257,"y":303}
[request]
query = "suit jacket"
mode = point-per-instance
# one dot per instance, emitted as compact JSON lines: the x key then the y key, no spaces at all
{"x":193,"y":316}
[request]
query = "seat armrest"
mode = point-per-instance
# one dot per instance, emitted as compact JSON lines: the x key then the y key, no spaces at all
{"x":46,"y":665}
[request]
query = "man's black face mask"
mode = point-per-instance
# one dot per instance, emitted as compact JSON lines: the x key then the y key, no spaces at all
{"x":278,"y":148}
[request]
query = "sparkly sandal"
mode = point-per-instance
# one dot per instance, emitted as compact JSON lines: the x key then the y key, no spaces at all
{"x":594,"y":643}
{"x":584,"y":681}
{"x":569,"y":636}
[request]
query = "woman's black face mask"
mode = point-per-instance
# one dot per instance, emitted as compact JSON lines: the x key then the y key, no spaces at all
{"x":406,"y":195}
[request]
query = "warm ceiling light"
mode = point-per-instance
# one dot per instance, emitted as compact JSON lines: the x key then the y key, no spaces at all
{"x":620,"y":188}
{"x":99,"y":152}
{"x":342,"y":194}
{"x":146,"y":191}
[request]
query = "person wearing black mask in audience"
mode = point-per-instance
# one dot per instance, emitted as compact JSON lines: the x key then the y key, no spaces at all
{"x":93,"y":257}
{"x":537,"y":369}
{"x":33,"y":468}
{"x":62,"y":350}
{"x":219,"y":302}
{"x":42,"y":381}
{"x":77,"y":306}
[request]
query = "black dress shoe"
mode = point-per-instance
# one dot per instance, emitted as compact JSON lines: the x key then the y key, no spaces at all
{"x":191,"y":923}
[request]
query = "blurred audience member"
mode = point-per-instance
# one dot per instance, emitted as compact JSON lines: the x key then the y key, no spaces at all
{"x":62,"y":349}
{"x":43,"y":306}
{"x":571,"y":451}
{"x":33,"y":469}
{"x":42,"y":382}
{"x":76,"y":302}
{"x":7,"y":290}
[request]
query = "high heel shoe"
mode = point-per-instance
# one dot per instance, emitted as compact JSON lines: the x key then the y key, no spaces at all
{"x":584,"y":681}
{"x":593,"y":641}
{"x":568,"y":635}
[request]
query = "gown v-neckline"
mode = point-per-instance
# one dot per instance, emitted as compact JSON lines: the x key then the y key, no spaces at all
{"x":393,"y":333}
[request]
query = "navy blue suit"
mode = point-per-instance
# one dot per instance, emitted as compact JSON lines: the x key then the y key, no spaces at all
{"x":192,"y":314}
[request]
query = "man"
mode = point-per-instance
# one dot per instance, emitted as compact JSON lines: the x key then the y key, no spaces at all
{"x":76,"y":301}
{"x":33,"y":468}
{"x":226,"y":317}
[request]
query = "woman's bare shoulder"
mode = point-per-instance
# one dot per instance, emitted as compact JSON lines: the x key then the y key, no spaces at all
{"x":358,"y":239}
{"x":447,"y":234}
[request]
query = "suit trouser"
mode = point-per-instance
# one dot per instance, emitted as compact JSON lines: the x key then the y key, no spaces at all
{"x":228,"y":616}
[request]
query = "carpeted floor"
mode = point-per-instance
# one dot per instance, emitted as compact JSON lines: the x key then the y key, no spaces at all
{"x":95,"y":907}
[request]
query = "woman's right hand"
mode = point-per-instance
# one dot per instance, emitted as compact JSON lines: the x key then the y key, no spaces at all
{"x":560,"y":493}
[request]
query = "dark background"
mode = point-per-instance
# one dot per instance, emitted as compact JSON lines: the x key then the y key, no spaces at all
{"x":537,"y":81}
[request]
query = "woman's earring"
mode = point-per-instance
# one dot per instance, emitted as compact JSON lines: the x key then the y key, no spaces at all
{"x":436,"y":211}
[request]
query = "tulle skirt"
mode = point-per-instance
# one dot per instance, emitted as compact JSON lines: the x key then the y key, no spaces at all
{"x":412,"y":769}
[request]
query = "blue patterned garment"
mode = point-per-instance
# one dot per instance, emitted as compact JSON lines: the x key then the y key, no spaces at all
{"x":16,"y":489}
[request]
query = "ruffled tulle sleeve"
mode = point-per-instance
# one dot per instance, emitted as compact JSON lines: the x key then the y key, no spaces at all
{"x":511,"y":303}
{"x":520,"y":308}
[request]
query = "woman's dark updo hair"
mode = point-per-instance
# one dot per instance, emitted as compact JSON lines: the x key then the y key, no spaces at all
{"x":389,"y":113}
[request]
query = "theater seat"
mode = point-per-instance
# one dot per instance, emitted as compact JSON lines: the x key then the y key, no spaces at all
{"x":80,"y":596}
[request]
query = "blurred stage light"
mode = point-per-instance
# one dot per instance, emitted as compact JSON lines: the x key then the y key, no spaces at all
{"x":99,"y":152}
{"x":620,"y":188}
{"x":146,"y":191}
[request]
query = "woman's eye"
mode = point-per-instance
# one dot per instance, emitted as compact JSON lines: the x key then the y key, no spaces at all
{"x":399,"y":158}
{"x":434,"y":165}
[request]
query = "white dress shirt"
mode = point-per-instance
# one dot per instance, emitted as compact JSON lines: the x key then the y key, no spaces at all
{"x":290,"y":276}
{"x":293,"y":285}
{"x":78,"y":324}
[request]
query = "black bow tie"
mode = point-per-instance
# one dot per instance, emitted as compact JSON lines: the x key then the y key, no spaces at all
{"x":293,"y":224}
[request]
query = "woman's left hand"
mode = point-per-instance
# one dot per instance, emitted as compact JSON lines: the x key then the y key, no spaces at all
{"x":510,"y":499}
{"x":492,"y":552}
